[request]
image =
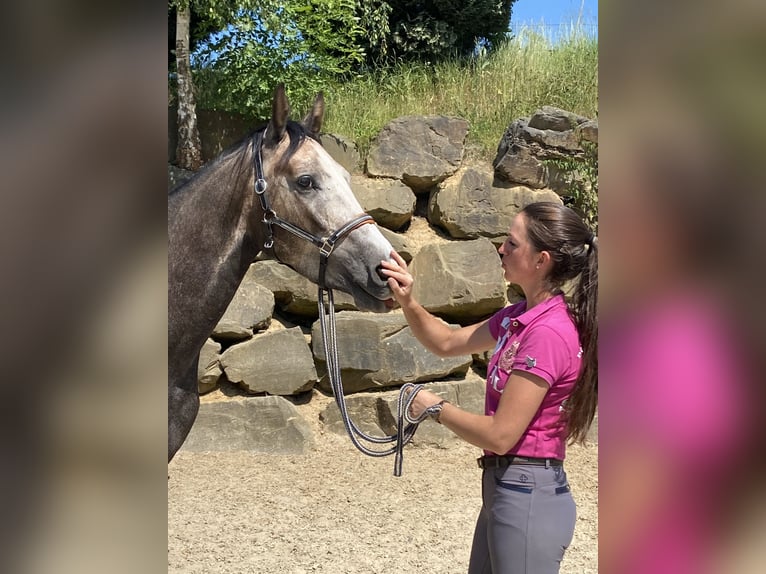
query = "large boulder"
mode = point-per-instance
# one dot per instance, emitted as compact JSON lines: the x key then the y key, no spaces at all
{"x":461,"y":281}
{"x":363,"y":410}
{"x":377,"y":350}
{"x":550,"y":134}
{"x":209,"y":367}
{"x":250,"y":310}
{"x":265,"y":425}
{"x":389,"y":202}
{"x":294,"y":293}
{"x":519,"y":165}
{"x":588,"y":131}
{"x":568,"y":141}
{"x":277,"y":362}
{"x":555,"y":119}
{"x":421,"y":151}
{"x":472,"y":204}
{"x":342,"y":150}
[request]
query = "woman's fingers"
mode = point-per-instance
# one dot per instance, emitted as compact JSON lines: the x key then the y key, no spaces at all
{"x":398,"y":258}
{"x":393,"y":271}
{"x":392,"y":266}
{"x":399,"y":279}
{"x":394,"y":285}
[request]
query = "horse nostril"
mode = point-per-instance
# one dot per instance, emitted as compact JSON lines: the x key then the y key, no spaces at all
{"x":379,"y":271}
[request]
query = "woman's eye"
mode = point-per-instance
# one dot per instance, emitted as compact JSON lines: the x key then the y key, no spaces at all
{"x":305,"y":181}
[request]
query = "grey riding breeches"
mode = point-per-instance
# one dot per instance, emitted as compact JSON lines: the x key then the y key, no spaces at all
{"x":526,"y":522}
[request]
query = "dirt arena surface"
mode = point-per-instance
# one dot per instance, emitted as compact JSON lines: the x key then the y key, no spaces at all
{"x":336,"y":511}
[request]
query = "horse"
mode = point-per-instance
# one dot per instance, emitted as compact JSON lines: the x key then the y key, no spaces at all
{"x":221,"y":219}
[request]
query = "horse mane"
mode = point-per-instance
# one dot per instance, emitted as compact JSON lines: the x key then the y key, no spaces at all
{"x":295,"y":132}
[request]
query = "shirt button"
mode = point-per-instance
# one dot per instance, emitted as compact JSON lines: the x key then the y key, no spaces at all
{"x":515,"y":323}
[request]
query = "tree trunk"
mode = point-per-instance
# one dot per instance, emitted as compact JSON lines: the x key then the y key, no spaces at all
{"x":188,"y":152}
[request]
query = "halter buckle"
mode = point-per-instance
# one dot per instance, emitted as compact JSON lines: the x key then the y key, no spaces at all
{"x":326,"y":248}
{"x":268,"y":216}
{"x":269,"y":243}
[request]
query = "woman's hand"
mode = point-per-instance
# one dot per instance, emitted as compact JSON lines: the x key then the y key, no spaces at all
{"x":423,"y":400}
{"x":399,"y":279}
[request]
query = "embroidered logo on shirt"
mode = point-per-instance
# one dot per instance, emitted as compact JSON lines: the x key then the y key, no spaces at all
{"x":531,"y":362}
{"x":505,"y":361}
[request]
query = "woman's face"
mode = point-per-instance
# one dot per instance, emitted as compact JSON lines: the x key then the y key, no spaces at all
{"x":519,"y":258}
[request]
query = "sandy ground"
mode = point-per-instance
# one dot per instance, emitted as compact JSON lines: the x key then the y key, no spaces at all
{"x":335,"y":510}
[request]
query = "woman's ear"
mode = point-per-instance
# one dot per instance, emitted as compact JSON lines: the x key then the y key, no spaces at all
{"x":543,"y":258}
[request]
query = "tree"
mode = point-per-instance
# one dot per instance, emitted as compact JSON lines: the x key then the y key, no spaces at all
{"x":188,"y":152}
{"x":431,"y":30}
{"x":256,"y":44}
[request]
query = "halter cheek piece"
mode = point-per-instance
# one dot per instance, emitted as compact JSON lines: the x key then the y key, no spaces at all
{"x":325,"y":244}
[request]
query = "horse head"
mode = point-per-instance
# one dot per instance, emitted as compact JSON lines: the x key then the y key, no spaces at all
{"x":308,"y":189}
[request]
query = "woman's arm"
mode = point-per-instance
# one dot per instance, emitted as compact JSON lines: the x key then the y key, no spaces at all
{"x":432,"y":332}
{"x":522,"y":396}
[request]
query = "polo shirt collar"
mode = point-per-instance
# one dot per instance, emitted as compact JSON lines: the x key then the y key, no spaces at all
{"x":529,"y":316}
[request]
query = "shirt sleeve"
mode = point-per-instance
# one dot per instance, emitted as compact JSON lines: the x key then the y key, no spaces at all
{"x":543,"y":352}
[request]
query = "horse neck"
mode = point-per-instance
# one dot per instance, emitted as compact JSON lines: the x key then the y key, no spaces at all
{"x":210,"y":245}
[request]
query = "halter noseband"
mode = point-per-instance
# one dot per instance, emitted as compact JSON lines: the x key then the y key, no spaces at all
{"x":326,"y":244}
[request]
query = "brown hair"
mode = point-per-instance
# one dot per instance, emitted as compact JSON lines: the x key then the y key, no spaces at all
{"x":573,"y":247}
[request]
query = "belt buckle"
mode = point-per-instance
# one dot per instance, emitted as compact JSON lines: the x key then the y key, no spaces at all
{"x":485,"y":462}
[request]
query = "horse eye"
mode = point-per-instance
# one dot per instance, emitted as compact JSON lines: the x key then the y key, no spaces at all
{"x":305,"y":181}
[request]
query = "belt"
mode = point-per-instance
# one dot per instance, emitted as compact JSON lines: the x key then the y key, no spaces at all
{"x":511,"y":459}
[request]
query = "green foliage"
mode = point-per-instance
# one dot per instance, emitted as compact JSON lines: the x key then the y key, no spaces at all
{"x":373,"y":18}
{"x":260,"y":43}
{"x":582,"y":178}
{"x":242,"y":48}
{"x":489,"y":90}
{"x":431,"y":31}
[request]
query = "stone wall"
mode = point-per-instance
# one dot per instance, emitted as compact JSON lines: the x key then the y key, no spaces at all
{"x":446,"y":215}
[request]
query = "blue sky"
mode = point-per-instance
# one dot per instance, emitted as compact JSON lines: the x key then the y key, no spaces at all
{"x":553,"y":13}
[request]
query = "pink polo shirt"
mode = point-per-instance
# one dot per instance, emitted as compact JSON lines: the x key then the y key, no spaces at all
{"x":542,"y":341}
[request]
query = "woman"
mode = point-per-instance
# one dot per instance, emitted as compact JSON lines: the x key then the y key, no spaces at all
{"x":541,"y":388}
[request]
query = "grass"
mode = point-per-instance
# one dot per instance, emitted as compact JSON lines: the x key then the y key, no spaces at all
{"x":490,"y":91}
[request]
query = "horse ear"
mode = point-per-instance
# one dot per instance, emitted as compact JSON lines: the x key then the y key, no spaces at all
{"x":313,"y":120}
{"x":280,"y":109}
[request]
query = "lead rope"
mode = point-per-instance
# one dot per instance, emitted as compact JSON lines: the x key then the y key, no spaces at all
{"x":404,"y":432}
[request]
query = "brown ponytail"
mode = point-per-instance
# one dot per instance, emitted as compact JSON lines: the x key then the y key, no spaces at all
{"x":574,"y":251}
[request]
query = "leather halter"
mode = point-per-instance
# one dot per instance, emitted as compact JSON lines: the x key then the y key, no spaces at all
{"x":325,"y":244}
